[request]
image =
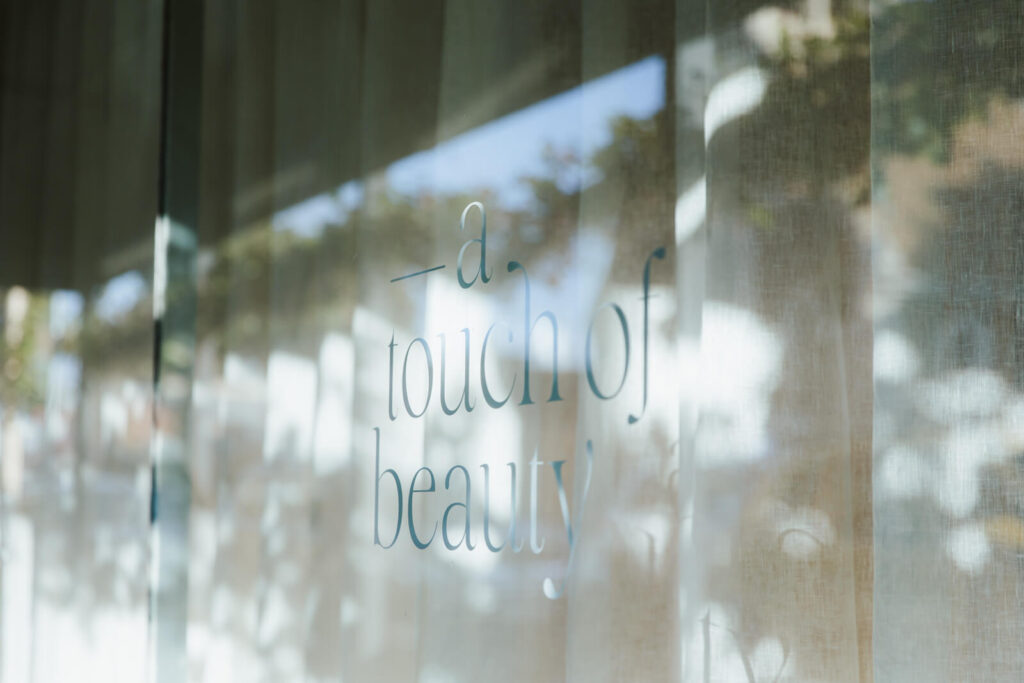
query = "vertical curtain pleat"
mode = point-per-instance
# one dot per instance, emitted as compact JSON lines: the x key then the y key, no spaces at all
{"x":792,"y":229}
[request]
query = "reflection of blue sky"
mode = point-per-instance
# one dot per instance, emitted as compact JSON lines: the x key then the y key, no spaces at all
{"x":120,"y":295}
{"x":571,"y":289}
{"x":65,"y":311}
{"x":309,"y":217}
{"x":497,"y":155}
{"x":64,"y":374}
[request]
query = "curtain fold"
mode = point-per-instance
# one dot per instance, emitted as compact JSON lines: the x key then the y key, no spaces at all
{"x":946,"y":231}
{"x":660,"y":340}
{"x":780,"y":497}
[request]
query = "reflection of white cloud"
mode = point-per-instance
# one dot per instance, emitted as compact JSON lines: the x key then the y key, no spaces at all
{"x":740,"y":360}
{"x":903,"y":474}
{"x":291,"y":394}
{"x":895,"y":359}
{"x":569,"y":289}
{"x":244,"y":383}
{"x":966,"y":448}
{"x":969,"y":547}
{"x":371,"y":332}
{"x":350,"y":611}
{"x":113,"y":417}
{"x":978,"y":422}
{"x":277,"y":616}
{"x":450,"y":309}
{"x":84,"y":639}
{"x":333,"y":438}
{"x":969,"y":393}
{"x":16,"y":608}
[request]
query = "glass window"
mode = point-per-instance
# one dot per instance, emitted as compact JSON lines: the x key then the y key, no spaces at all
{"x":667,"y":340}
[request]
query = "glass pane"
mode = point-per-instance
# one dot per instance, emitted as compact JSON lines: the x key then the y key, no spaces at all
{"x":79,"y":122}
{"x":599,"y":340}
{"x":388,"y":191}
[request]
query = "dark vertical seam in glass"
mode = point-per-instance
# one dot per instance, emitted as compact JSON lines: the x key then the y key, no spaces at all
{"x":161,"y":211}
{"x":174,"y":292}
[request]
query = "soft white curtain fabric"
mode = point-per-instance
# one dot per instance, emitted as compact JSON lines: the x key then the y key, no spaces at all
{"x":779,"y":245}
{"x":777,"y":539}
{"x":947,"y":236}
{"x":856,"y":455}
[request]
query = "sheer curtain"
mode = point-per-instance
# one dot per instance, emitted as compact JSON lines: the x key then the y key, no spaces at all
{"x":692,"y":326}
{"x":777,"y":548}
{"x":856,"y":456}
{"x":946,"y":236}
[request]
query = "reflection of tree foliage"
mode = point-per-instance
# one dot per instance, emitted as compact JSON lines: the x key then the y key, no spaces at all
{"x":814,"y":126}
{"x":935,"y":65}
{"x":943,"y":73}
{"x":124,"y":342}
{"x":937,"y":62}
{"x":304,"y":281}
{"x":785,"y":183}
{"x":640,"y":159}
{"x":22,"y":352}
{"x":983,"y":240}
{"x":87,"y":535}
{"x":809,"y":140}
{"x":939,"y":66}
